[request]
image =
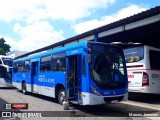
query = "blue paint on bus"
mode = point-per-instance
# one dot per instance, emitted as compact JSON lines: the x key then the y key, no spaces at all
{"x":89,"y":73}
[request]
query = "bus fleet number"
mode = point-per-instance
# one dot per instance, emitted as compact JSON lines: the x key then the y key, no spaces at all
{"x":155,"y":75}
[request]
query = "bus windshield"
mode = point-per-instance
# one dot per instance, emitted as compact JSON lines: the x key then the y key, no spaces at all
{"x":7,"y":61}
{"x":2,"y":72}
{"x":134,"y":54}
{"x":107,"y":66}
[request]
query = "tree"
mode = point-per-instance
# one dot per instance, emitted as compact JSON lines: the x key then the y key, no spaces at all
{"x":4,"y":48}
{"x":2,"y":52}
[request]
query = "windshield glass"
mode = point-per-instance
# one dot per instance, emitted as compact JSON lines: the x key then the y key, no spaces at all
{"x":7,"y":61}
{"x":2,"y":72}
{"x":107,"y":66}
{"x":134,"y":54}
{"x":5,"y":74}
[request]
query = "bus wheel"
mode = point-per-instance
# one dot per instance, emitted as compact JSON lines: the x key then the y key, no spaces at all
{"x":24,"y":88}
{"x":61,"y":96}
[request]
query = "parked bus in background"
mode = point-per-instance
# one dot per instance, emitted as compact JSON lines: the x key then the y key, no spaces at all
{"x":5,"y":71}
{"x":86,"y":73}
{"x":143,"y":69}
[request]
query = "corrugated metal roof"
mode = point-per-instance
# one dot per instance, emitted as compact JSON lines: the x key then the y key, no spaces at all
{"x":136,"y":17}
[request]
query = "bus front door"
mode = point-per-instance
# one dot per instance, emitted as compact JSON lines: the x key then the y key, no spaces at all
{"x":73,"y":81}
{"x":34,"y":78}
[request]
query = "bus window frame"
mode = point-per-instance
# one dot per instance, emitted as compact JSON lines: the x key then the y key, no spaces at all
{"x":48,"y":63}
{"x":27,"y":65}
{"x":55,"y":59}
{"x":22,"y":67}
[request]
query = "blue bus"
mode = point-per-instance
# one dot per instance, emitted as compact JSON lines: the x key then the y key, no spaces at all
{"x":85,"y":73}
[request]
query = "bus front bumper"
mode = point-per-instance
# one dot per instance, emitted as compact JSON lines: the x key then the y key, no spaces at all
{"x":91,"y":99}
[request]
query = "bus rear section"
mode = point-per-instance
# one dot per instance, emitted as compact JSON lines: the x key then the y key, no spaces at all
{"x":143,"y":69}
{"x":138,"y":78}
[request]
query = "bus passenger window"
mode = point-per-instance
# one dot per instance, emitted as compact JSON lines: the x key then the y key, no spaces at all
{"x":20,"y":67}
{"x":59,"y":62}
{"x":59,"y":65}
{"x":62,"y":64}
{"x":46,"y":63}
{"x":27,"y":66}
{"x":154,"y":57}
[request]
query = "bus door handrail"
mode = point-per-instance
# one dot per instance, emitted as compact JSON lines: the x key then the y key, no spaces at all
{"x":71,"y":77}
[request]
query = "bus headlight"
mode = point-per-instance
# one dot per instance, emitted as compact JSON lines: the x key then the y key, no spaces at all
{"x":95,"y":91}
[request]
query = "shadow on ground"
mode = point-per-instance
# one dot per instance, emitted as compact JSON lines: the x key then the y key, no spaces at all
{"x":145,"y":98}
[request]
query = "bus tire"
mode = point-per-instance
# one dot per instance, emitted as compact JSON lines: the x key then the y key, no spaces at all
{"x":24,"y":88}
{"x":61,"y":96}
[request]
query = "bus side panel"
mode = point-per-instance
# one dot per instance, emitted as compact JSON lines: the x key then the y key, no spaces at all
{"x":27,"y":78}
{"x":152,"y":60}
{"x":135,"y":79}
{"x":85,"y":90}
{"x":18,"y":78}
{"x":47,"y":82}
{"x":154,"y":81}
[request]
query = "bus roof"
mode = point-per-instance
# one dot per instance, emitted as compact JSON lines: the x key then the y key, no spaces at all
{"x":57,"y":50}
{"x":141,"y":45}
{"x":61,"y":49}
{"x":4,"y":56}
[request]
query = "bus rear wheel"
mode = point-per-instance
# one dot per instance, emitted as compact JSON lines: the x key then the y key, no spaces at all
{"x":24,"y":88}
{"x":61,"y":96}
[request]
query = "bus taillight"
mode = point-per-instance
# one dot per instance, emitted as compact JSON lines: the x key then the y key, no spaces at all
{"x":145,"y":79}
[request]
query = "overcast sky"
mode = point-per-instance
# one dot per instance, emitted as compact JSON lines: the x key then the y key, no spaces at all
{"x":31,"y":24}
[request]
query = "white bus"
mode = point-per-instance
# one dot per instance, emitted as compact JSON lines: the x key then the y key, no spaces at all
{"x":5,"y":71}
{"x":143,"y":67}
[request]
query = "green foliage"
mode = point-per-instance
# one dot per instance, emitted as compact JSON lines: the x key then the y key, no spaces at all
{"x":4,"y":48}
{"x":2,"y":52}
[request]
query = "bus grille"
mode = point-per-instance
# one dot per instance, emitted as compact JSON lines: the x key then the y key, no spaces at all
{"x":109,"y":99}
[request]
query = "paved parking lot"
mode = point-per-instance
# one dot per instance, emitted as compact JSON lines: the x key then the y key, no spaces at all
{"x":136,"y":105}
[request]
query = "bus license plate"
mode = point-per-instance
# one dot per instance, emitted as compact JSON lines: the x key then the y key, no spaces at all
{"x":114,"y":101}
